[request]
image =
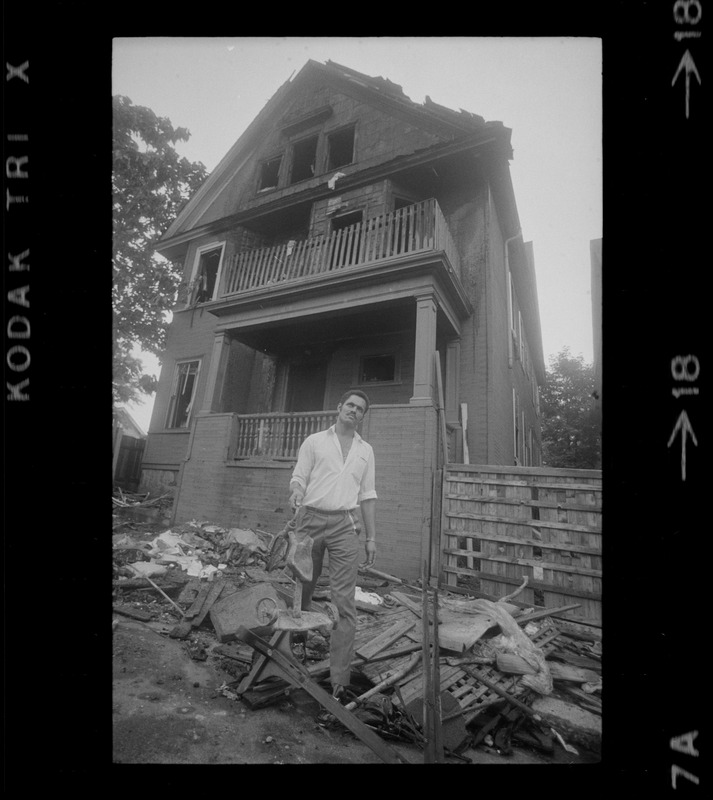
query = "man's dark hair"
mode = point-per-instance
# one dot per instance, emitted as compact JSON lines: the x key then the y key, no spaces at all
{"x":358,"y":393}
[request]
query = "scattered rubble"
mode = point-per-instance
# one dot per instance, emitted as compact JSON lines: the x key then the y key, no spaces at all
{"x":508,"y":676}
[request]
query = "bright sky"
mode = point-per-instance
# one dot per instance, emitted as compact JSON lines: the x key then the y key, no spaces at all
{"x":547,"y":90}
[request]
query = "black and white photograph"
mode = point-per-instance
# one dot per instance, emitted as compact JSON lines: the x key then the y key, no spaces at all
{"x":343,"y":228}
{"x":378,"y":396}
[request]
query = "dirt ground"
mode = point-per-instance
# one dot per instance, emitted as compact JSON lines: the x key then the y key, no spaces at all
{"x":168,"y":709}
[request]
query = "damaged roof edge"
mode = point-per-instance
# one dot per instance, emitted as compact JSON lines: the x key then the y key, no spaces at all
{"x":209,"y":184}
{"x":226,"y":168}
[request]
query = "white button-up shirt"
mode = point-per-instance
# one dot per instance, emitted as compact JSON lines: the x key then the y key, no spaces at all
{"x":331,"y":482}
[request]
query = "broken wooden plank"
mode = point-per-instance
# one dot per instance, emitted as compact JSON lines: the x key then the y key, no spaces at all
{"x":189,"y":592}
{"x":384,"y":575}
{"x":320,"y":668}
{"x":161,"y":591}
{"x":503,"y":693}
{"x":588,"y":701}
{"x":408,"y":602}
{"x":576,"y":660}
{"x":568,"y":672}
{"x":413,"y":689}
{"x":213,"y":594}
{"x":299,"y":676}
{"x":165,"y":583}
{"x":427,"y":677}
{"x":134,"y":613}
{"x":235,"y":651}
{"x":198,"y":602}
{"x":390,"y":681}
{"x":436,"y":673}
{"x":523,"y":619}
{"x":385,"y":639}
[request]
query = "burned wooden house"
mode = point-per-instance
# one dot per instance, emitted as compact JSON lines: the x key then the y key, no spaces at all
{"x":351,"y":238}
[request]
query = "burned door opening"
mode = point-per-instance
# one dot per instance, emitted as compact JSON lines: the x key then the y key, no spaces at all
{"x":306,"y":385}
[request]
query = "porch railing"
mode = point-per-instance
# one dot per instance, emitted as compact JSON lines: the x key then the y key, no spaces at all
{"x":277,"y":435}
{"x":416,"y":228}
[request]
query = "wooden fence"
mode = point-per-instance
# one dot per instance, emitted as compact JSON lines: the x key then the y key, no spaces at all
{"x":500,"y":524}
{"x":127,"y":462}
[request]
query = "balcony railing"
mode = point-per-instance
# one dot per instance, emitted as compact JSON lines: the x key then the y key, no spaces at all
{"x":278,"y":435}
{"x":417,"y":228}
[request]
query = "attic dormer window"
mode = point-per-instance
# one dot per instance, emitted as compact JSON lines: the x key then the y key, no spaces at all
{"x":270,"y":173}
{"x":340,"y":146}
{"x":304,"y":157}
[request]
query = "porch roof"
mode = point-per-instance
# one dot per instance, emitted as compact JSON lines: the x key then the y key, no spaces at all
{"x":373,"y":285}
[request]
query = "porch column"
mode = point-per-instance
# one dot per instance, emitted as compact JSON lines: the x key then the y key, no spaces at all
{"x":425,"y":348}
{"x":216,"y":373}
{"x":452,"y":380}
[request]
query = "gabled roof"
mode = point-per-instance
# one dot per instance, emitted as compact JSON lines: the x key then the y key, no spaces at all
{"x":128,"y":424}
{"x":228,"y":165}
{"x":457,"y":124}
{"x":463,"y":120}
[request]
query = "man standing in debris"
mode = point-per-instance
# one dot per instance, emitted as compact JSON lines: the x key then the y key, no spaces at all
{"x":334,"y":474}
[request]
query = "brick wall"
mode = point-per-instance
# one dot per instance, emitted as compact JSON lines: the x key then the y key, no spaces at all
{"x":256,"y":495}
{"x":158,"y":481}
{"x":371,"y":199}
{"x":190,"y":336}
{"x":343,"y":370}
{"x":165,"y":449}
{"x":403,"y":438}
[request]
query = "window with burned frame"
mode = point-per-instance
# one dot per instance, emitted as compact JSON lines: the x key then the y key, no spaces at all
{"x":183,"y":390}
{"x":381,"y":368}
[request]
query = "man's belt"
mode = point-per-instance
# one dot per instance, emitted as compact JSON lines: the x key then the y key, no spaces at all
{"x":331,"y":513}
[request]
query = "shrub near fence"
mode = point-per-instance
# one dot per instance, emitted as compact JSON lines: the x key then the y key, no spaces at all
{"x":501,"y":524}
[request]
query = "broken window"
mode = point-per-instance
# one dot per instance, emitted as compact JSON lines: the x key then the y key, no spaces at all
{"x":269,"y":173}
{"x":377,"y":369}
{"x":340,"y":148}
{"x":183,"y":392}
{"x":304,"y":155}
{"x":207,"y":274}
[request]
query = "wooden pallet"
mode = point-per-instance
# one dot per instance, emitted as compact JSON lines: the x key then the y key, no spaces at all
{"x":467,"y":690}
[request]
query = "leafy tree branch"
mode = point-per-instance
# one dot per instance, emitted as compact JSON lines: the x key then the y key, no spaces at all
{"x":151,"y":182}
{"x":571,"y":431}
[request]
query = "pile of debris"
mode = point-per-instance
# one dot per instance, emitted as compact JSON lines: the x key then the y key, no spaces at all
{"x":133,"y":509}
{"x":431,"y":668}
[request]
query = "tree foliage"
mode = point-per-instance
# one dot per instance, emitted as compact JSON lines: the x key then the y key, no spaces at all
{"x":150,"y":184}
{"x":571,"y":430}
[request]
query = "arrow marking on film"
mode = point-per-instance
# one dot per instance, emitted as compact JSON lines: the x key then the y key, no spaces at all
{"x":690,"y":67}
{"x":684,"y":425}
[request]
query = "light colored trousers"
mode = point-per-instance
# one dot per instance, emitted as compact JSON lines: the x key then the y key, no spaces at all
{"x":336,"y":533}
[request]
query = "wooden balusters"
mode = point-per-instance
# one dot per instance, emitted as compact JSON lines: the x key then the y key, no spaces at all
{"x":413,"y":228}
